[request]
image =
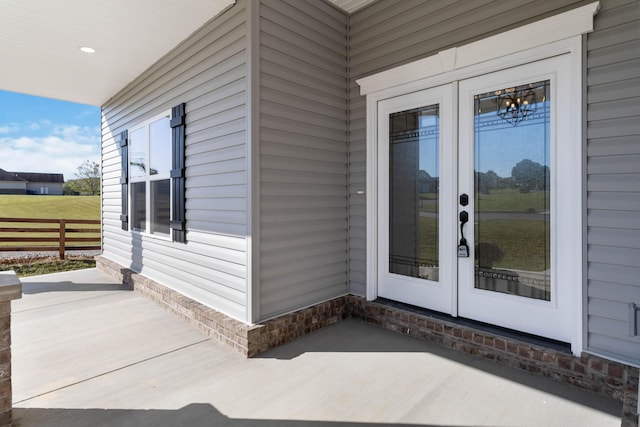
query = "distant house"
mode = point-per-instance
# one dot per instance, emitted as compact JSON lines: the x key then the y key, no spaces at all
{"x":30,"y":183}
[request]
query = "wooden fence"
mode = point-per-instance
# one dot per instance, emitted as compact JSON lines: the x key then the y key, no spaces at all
{"x":40,"y":235}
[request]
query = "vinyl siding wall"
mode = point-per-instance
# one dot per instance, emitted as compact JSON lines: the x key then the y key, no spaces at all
{"x":303,"y":154}
{"x":613,"y":184}
{"x":208,"y":73}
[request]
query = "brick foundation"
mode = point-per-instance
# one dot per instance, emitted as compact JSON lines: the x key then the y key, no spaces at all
{"x":590,"y":372}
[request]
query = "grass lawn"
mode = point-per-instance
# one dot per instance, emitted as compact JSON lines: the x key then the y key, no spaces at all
{"x":521,"y":241}
{"x":24,"y":267}
{"x":55,"y":207}
{"x":505,"y":200}
{"x":46,"y":207}
{"x":508,"y":200}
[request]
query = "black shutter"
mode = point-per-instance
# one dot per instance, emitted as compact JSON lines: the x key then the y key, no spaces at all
{"x":124,"y":179}
{"x":178,"y":222}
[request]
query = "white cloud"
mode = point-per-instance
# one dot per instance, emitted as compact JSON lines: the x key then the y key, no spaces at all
{"x":60,"y":152}
{"x":9,"y":128}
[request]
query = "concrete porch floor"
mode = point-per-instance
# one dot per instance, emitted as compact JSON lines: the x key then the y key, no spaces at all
{"x":87,"y":352}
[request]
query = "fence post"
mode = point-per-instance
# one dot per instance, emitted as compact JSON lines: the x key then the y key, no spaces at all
{"x":63,"y":227}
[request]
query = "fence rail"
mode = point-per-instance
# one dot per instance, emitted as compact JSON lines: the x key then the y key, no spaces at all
{"x":65,"y":238}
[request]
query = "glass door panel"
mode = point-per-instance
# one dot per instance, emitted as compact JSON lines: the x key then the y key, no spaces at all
{"x":413,"y":192}
{"x":512,"y":190}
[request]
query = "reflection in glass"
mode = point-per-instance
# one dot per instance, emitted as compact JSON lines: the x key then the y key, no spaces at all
{"x":139,"y":206}
{"x":413,"y":192}
{"x":159,"y":147}
{"x":138,"y":153}
{"x":512,"y":191}
{"x":161,"y":206}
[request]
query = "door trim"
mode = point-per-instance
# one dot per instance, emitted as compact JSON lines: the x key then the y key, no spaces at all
{"x":572,"y":46}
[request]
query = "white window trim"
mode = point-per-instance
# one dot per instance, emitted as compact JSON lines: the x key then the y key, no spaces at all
{"x":556,"y":35}
{"x":147,"y":180}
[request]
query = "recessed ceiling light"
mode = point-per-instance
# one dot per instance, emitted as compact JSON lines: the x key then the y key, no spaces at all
{"x":86,"y":49}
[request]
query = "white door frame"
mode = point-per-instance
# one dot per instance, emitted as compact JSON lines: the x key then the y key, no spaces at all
{"x":559,"y":34}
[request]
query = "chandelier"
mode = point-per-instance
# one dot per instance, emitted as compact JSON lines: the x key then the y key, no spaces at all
{"x":516,"y":105}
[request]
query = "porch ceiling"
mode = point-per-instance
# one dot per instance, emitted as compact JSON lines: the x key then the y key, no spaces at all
{"x":40,"y":43}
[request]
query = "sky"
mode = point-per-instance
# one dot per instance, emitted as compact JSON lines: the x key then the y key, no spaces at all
{"x":47,"y":136}
{"x":499,"y":147}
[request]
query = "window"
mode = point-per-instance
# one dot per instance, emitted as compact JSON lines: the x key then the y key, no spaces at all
{"x":150,"y":176}
{"x":153,"y":179}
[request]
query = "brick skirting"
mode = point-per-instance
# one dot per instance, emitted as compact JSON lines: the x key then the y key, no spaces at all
{"x":590,"y":372}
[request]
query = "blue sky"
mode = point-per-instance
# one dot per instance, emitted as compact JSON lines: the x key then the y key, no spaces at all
{"x":46,"y":135}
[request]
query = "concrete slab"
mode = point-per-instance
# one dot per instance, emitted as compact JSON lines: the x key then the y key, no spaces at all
{"x":119,"y":360}
{"x":66,"y":331}
{"x":59,"y":288}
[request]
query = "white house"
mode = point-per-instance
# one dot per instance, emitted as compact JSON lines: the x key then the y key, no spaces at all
{"x":30,"y":183}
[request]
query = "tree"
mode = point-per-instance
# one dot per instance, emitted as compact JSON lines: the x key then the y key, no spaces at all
{"x":530,"y":176}
{"x":70,"y":188}
{"x":487,"y":181}
{"x":88,"y":175}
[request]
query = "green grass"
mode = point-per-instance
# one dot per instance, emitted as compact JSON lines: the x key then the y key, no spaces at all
{"x":54,"y":207}
{"x":38,"y":266}
{"x":508,"y":200}
{"x":521,"y":241}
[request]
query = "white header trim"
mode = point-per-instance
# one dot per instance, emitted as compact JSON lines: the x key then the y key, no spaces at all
{"x":559,"y":27}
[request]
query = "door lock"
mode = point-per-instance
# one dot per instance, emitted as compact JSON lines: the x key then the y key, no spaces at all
{"x":463,"y":247}
{"x":464,"y":200}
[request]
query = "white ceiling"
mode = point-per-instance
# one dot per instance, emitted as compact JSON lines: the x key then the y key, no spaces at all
{"x":40,"y":42}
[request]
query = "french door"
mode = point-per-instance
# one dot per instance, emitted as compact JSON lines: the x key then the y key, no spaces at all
{"x":468,"y":198}
{"x":417,"y":186}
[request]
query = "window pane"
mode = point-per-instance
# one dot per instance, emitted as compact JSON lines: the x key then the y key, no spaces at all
{"x":138,"y":153}
{"x":413,"y":192}
{"x":512,"y":191}
{"x":138,"y":206}
{"x":160,"y":206}
{"x":160,"y":147}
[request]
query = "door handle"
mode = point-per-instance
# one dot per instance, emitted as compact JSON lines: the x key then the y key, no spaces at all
{"x":463,"y":248}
